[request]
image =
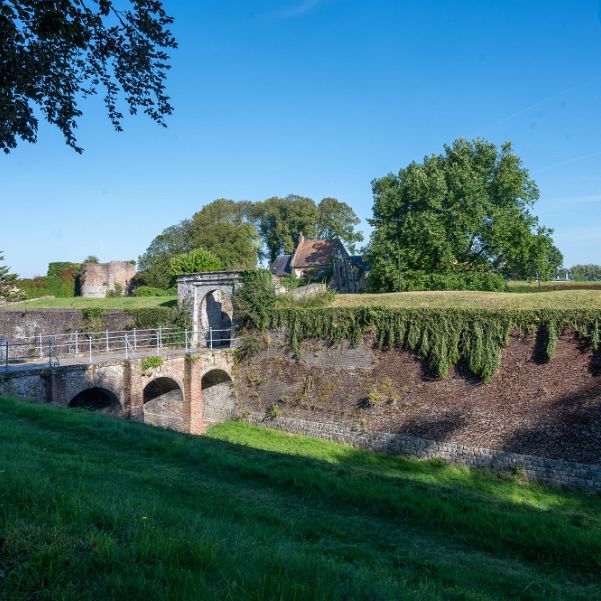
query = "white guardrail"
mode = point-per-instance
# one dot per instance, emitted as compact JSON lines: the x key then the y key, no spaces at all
{"x":91,"y":345}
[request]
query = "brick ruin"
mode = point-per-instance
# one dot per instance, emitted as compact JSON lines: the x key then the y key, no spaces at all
{"x":98,"y":279}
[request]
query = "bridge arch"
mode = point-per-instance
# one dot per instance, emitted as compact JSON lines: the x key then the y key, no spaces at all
{"x":97,"y":398}
{"x":164,"y":403}
{"x":218,"y":397}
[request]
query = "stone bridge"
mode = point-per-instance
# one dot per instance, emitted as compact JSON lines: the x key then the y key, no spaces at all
{"x":185,"y":392}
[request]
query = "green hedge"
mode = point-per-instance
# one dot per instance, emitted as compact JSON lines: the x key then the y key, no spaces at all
{"x":442,"y":337}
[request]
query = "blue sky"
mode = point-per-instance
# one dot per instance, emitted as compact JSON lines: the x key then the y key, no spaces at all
{"x":318,"y":97}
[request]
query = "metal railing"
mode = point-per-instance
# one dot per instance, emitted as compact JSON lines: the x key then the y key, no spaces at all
{"x":89,"y":346}
{"x":215,"y":339}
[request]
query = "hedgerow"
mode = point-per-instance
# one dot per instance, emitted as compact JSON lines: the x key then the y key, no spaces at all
{"x":442,"y":337}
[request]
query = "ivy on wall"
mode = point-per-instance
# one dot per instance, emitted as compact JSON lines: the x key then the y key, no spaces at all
{"x":442,"y":337}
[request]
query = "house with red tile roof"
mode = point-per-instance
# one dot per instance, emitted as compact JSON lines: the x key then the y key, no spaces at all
{"x":321,"y":260}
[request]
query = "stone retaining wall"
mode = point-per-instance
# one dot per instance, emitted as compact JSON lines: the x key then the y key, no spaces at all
{"x":18,"y":323}
{"x":552,"y":471}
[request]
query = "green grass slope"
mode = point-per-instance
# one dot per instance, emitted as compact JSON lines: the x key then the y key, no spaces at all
{"x":96,"y":508}
{"x":119,"y":302}
{"x":560,"y":299}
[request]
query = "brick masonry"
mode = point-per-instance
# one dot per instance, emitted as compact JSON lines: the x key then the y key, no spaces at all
{"x":563,"y":473}
{"x":543,"y":417}
{"x":168,"y":396}
{"x":97,"y":279}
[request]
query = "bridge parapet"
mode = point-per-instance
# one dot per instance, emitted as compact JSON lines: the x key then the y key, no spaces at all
{"x":94,"y":347}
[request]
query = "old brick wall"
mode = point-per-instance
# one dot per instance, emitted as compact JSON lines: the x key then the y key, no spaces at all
{"x":169,"y":395}
{"x":97,"y":279}
{"x":550,"y":410}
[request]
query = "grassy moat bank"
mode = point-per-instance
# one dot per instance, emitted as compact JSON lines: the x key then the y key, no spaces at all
{"x":94,"y":507}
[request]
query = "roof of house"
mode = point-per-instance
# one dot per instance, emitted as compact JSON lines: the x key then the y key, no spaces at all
{"x":281,"y":265}
{"x":315,"y":253}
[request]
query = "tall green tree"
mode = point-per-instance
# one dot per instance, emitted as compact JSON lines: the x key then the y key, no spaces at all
{"x":281,"y":221}
{"x":53,"y":53}
{"x":154,"y":268}
{"x":336,"y":219}
{"x":224,"y":228}
{"x":586,"y":273}
{"x":8,"y":280}
{"x":544,"y":258}
{"x":468,"y":208}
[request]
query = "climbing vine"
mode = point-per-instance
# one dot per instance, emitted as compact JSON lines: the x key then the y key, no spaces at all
{"x":442,"y":337}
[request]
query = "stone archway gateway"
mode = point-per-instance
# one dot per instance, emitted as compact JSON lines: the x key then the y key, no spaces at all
{"x":208,"y":299}
{"x":215,"y":316}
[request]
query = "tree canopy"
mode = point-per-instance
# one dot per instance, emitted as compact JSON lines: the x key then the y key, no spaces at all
{"x":239,"y":233}
{"x":154,"y":265}
{"x":8,"y":281}
{"x":337,"y":219}
{"x":52,"y":54}
{"x":198,"y":259}
{"x":586,"y":273}
{"x":280,"y":222}
{"x":223,"y":227}
{"x":465,"y":210}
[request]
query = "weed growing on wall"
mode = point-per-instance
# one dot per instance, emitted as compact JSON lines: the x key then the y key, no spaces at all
{"x":93,"y":318}
{"x":149,"y":363}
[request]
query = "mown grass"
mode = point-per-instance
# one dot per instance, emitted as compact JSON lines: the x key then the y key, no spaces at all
{"x":96,"y":508}
{"x":120,"y":302}
{"x":561,"y":299}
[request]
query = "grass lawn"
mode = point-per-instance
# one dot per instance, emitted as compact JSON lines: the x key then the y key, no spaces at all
{"x":92,"y":507}
{"x":562,"y":299}
{"x":122,"y":302}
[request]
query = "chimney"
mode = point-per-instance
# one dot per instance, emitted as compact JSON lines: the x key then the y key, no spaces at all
{"x":301,"y":238}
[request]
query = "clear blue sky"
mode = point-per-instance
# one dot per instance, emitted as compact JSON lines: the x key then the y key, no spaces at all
{"x":318,"y":97}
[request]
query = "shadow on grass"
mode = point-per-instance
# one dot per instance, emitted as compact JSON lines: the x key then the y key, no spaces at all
{"x":465,"y":507}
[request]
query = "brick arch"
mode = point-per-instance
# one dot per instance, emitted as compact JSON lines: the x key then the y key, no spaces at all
{"x":97,"y":398}
{"x":73,"y":390}
{"x":217,"y":386}
{"x":164,"y":403}
{"x":169,"y":375}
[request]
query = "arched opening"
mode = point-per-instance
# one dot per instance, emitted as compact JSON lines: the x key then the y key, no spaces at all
{"x":218,"y":399}
{"x":97,"y":399}
{"x":164,"y":404}
{"x":216,"y":311}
